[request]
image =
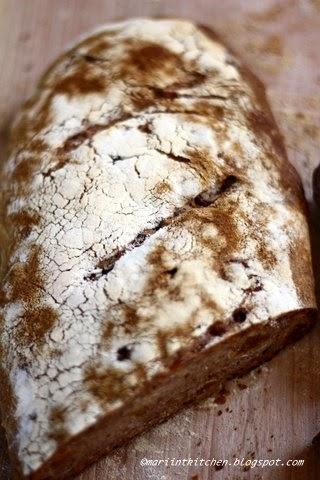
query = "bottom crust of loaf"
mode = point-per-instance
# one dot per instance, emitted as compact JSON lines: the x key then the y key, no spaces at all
{"x":198,"y":373}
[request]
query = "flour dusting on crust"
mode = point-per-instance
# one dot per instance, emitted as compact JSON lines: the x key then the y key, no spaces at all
{"x":150,"y":206}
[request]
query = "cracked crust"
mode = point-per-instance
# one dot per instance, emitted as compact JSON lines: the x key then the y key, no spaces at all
{"x":153,"y":220}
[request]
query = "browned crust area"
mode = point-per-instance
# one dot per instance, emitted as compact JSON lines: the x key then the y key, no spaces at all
{"x":7,"y":420}
{"x":262,"y":123}
{"x":199,"y":374}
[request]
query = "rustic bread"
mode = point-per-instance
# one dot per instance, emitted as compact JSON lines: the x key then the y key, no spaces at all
{"x":156,"y":241}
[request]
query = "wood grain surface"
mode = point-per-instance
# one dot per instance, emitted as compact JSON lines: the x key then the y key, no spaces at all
{"x":275,"y":411}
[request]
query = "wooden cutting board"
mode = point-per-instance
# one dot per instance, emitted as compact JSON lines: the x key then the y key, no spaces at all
{"x":275,"y":411}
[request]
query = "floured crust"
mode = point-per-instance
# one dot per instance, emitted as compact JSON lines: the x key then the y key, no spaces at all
{"x":151,"y":207}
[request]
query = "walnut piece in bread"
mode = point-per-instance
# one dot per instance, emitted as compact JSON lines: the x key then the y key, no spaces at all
{"x":158,"y":242}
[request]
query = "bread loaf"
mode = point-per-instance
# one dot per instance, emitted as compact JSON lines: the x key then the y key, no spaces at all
{"x":156,"y":241}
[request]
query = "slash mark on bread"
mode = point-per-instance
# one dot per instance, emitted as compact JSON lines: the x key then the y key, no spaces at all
{"x":205,"y":199}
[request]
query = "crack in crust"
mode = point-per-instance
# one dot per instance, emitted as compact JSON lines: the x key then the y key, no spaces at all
{"x":205,"y":199}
